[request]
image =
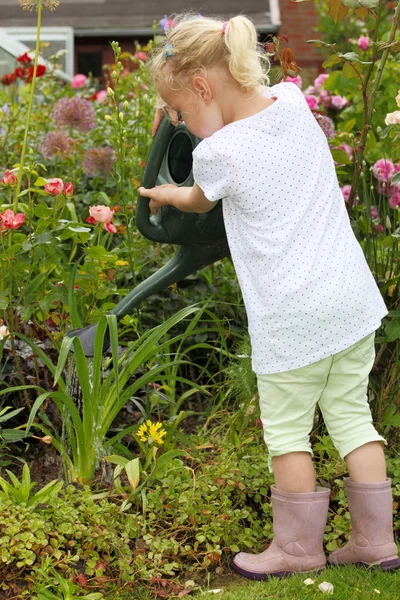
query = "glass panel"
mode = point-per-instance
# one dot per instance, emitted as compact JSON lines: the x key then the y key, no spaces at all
{"x":180,"y":159}
{"x":90,"y":62}
{"x":7,"y":62}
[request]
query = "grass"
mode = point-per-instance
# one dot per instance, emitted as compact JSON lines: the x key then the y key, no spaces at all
{"x":350,"y":583}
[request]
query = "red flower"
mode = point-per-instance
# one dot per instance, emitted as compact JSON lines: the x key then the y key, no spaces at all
{"x":110,"y":227}
{"x":11,"y":221}
{"x":24,"y":59}
{"x":270,"y":48}
{"x":69,"y":189}
{"x":54,"y":186}
{"x":91,"y":220}
{"x":9,"y":178}
{"x":8,"y":78}
{"x":41,"y":70}
{"x":21,"y":73}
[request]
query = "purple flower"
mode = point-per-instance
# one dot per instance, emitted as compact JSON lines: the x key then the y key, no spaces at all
{"x":56,"y":143}
{"x":374,"y":212}
{"x":326,"y":124}
{"x":394,"y":199}
{"x":74,"y":112}
{"x":6,"y":109}
{"x":167,"y":24}
{"x":98,"y":161}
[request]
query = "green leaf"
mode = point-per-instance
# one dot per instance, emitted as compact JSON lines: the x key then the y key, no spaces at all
{"x":349,"y":71}
{"x":332,"y":60}
{"x":35,"y":284}
{"x":396,"y":178}
{"x":115,"y":459}
{"x":42,"y":211}
{"x":392,"y":331}
{"x":132,"y":469}
{"x":320,"y":43}
{"x":40,"y":181}
{"x":341,"y":157}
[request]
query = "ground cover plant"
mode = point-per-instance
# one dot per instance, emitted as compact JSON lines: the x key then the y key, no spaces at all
{"x":150,"y":463}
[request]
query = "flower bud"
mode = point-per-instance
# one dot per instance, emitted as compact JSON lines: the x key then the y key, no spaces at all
{"x":69,"y":189}
{"x":110,"y":92}
{"x":9,"y":178}
{"x":121,"y":116}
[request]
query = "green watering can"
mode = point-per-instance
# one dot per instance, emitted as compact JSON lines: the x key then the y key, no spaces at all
{"x":201,"y":237}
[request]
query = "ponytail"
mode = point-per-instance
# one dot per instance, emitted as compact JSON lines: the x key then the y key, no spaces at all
{"x":196,"y":44}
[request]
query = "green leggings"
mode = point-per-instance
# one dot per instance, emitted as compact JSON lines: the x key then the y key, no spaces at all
{"x":338,"y":384}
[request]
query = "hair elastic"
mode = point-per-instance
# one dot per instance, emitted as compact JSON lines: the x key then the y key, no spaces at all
{"x":224,"y":26}
{"x":169,"y":52}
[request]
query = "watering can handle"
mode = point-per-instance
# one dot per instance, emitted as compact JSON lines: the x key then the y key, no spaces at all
{"x":154,"y":232}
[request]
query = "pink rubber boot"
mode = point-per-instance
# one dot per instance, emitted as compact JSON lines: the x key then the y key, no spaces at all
{"x":299,"y":523}
{"x":371,"y":512}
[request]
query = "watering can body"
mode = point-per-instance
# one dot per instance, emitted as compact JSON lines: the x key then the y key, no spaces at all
{"x":201,"y":238}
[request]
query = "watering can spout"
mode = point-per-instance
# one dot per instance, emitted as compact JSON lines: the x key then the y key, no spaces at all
{"x":201,"y":238}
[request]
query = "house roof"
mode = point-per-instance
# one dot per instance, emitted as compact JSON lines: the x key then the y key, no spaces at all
{"x":135,"y":16}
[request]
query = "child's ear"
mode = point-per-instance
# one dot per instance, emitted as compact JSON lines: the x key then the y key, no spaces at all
{"x":202,"y":89}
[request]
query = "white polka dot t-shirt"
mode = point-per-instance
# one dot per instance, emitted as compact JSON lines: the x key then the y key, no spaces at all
{"x":306,"y":285}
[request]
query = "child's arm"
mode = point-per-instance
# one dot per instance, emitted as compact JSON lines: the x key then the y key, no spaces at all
{"x":186,"y":199}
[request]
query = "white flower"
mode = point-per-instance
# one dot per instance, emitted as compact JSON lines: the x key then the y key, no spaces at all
{"x":3,"y":332}
{"x":309,"y":581}
{"x":393,"y":118}
{"x":326,"y":587}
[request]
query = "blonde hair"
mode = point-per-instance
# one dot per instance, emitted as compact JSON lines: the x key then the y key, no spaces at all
{"x":195,"y":44}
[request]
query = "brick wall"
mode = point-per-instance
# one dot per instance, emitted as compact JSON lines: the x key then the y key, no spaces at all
{"x":298,"y":23}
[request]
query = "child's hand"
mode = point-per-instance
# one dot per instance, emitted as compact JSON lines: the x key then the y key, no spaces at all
{"x":161,"y":195}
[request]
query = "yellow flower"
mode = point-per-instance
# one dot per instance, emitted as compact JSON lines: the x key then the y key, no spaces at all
{"x":151,"y":432}
{"x":121,"y":263}
{"x":102,"y":275}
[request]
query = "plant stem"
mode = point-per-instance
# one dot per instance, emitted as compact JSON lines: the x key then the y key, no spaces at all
{"x":30,"y":105}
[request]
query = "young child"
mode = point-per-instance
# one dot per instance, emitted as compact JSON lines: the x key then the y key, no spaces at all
{"x":311,"y":300}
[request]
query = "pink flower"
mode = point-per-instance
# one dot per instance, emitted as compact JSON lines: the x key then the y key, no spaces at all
{"x":320,"y":80}
{"x":374,"y":212}
{"x":101,"y":213}
{"x":348,"y":149}
{"x":378,"y":228}
{"x":296,"y":80}
{"x":78,"y":81}
{"x":110,"y":228}
{"x":9,"y":178}
{"x":312,"y":102}
{"x":310,"y":90}
{"x":363,"y":43}
{"x":69,"y":189}
{"x":141,"y":56}
{"x":101,"y":96}
{"x":11,"y":221}
{"x":383,"y":170}
{"x":346,"y":189}
{"x":394,"y":199}
{"x":393,"y":118}
{"x":339,"y":102}
{"x":325,"y":98}
{"x":54,"y":186}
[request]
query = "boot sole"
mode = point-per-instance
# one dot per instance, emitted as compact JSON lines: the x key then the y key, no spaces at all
{"x":278,"y":574}
{"x":386,"y":565}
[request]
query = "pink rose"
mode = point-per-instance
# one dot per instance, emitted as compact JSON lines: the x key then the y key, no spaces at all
{"x":320,"y":80}
{"x":339,"y":102}
{"x":79,"y":81}
{"x":110,"y":228}
{"x":101,"y":96}
{"x":312,"y":102}
{"x":9,"y":178}
{"x":393,"y":118}
{"x":310,"y":90}
{"x":325,"y":98}
{"x":296,"y":80}
{"x":363,"y":43}
{"x":54,"y":186}
{"x":101,"y":213}
{"x":383,"y":170}
{"x":346,"y":189}
{"x":11,"y":221}
{"x":69,"y":189}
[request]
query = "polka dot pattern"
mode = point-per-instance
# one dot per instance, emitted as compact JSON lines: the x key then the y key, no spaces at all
{"x":307,"y":287}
